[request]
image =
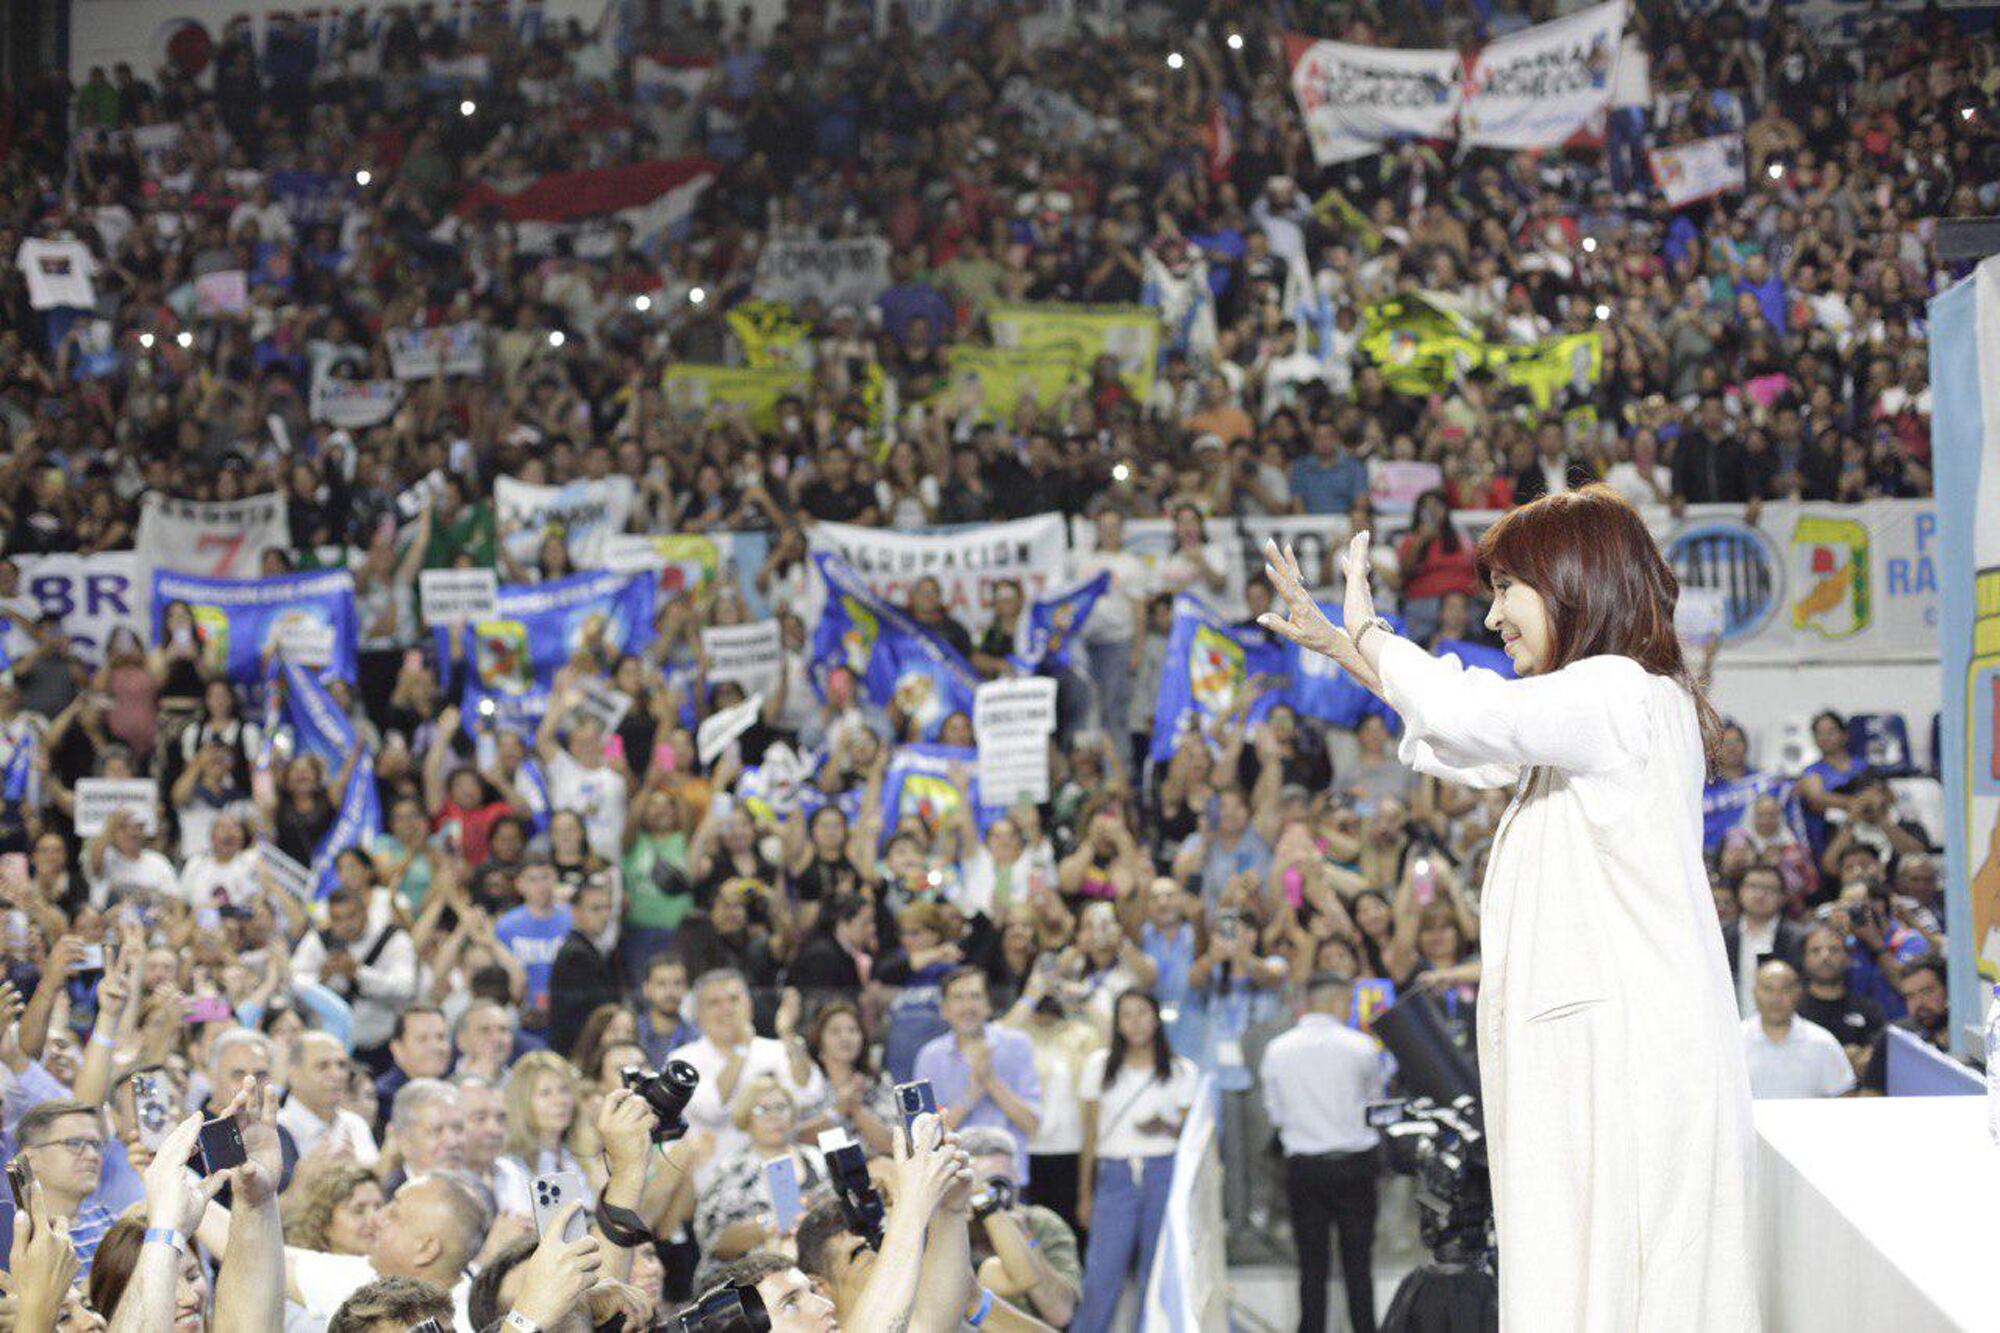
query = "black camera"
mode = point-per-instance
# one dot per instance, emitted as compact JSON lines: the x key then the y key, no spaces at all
{"x":860,"y":1204}
{"x":667,"y":1091}
{"x":997,"y":1196}
{"x":726,"y":1309}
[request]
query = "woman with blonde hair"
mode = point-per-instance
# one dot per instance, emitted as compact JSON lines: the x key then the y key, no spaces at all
{"x":541,"y":1103}
{"x":332,"y":1207}
{"x":734,"y":1214}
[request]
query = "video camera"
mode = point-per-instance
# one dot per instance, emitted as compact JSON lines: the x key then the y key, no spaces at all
{"x":1438,"y":1136}
{"x":667,"y":1091}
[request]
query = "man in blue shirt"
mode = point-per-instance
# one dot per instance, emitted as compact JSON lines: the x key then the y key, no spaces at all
{"x":533,"y":932}
{"x":661,"y":1028}
{"x":980,"y":1072}
{"x":63,"y":1143}
{"x":1329,"y":479}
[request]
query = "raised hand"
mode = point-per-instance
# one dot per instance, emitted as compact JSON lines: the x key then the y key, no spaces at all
{"x":1303,"y":622}
{"x":1358,"y":607}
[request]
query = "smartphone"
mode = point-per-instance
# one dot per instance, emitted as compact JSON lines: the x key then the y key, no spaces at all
{"x":553,"y":1193}
{"x":207,"y":1009}
{"x":913,"y":1100}
{"x":781,"y":1176}
{"x":20,"y":1176}
{"x":221,"y":1146}
{"x":91,"y":960}
{"x":1423,"y":884}
{"x":152,"y":1110}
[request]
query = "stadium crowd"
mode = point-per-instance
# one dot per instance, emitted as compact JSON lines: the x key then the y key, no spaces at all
{"x":545,"y":907}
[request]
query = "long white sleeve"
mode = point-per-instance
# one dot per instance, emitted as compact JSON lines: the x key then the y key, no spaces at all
{"x":1590,"y":717}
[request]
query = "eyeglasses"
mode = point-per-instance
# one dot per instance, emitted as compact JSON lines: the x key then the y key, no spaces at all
{"x":771,"y":1108}
{"x":77,"y":1146}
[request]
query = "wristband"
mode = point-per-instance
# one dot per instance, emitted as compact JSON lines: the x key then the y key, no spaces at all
{"x":1373,"y":622}
{"x":166,"y":1236}
{"x":623,"y":1227}
{"x":978,"y":1316}
{"x":520,"y":1323}
{"x":103,"y":1039}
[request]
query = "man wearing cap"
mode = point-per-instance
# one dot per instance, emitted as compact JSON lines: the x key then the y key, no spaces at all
{"x":1318,"y":1079}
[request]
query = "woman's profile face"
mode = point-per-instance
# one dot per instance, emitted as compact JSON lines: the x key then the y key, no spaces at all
{"x":1521,"y":618}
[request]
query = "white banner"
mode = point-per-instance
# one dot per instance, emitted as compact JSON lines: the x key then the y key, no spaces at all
{"x":417,"y":354}
{"x":455,"y":596}
{"x":850,"y":272}
{"x":717,"y":730}
{"x":1690,"y":172}
{"x":751,"y":655}
{"x":1538,"y":87}
{"x":600,"y":699}
{"x":587,"y":513}
{"x":1012,"y":721}
{"x":355,"y":404}
{"x":91,"y":595}
{"x":284,"y":872}
{"x":224,"y":292}
{"x":1354,"y":99}
{"x":217,"y":539}
{"x":967,"y":562}
{"x":97,"y":799}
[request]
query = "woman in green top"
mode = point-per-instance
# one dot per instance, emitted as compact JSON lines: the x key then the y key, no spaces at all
{"x":657,"y":893}
{"x":402,"y":855}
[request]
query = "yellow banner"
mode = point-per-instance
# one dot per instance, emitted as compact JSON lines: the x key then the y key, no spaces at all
{"x":1005,"y":374}
{"x":771,"y":335}
{"x":696,"y":391}
{"x":1544,"y":367}
{"x":1130,"y":333}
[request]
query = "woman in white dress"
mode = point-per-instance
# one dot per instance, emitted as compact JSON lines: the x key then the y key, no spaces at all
{"x":1614,"y":1087}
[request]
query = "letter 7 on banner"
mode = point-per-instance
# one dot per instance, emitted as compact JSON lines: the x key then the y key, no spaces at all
{"x":230,"y":545}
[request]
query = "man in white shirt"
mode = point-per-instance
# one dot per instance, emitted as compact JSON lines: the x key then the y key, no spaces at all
{"x":364,"y":957}
{"x":120,"y":865}
{"x":1788,"y":1056}
{"x":1111,"y":633}
{"x":312,"y":1112}
{"x":581,"y":778}
{"x":729,"y":1054}
{"x":1318,"y":1079}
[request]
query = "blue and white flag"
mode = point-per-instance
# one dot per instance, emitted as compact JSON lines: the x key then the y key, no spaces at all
{"x":20,"y":782}
{"x":1475,"y":655}
{"x":1051,"y":623}
{"x":1208,"y":666}
{"x":241,"y":623}
{"x":897,"y":663}
{"x":512,"y":659}
{"x":1725,"y":801}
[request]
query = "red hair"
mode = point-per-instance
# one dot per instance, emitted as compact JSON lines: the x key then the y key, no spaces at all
{"x":1608,"y":589}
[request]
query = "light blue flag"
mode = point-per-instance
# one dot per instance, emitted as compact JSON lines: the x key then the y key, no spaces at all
{"x":317,"y":723}
{"x":240,"y":624}
{"x":920,"y":783}
{"x":512,"y":659}
{"x":1051,"y":623}
{"x":357,"y":823}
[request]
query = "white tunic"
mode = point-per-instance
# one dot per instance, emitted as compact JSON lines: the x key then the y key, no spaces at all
{"x":1612,"y":1069}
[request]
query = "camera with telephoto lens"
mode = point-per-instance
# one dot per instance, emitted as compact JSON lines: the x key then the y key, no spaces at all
{"x":860,"y":1203}
{"x":997,"y":1196}
{"x":725,"y":1309}
{"x":667,"y":1091}
{"x":1444,"y":1148}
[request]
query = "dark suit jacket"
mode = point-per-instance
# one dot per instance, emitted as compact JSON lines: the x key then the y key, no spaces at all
{"x":581,"y":979}
{"x":1788,"y":946}
{"x":822,"y":965}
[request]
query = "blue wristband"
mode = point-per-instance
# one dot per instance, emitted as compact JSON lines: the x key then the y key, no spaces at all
{"x":165,"y":1236}
{"x":978,"y":1317}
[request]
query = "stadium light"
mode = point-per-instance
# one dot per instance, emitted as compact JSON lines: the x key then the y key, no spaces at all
{"x":1120,"y":472}
{"x":1967,"y":112}
{"x":362,"y":178}
{"x":1603,"y":313}
{"x":1236,"y":41}
{"x":146,"y":341}
{"x":1175,"y":60}
{"x":467,"y":107}
{"x":184,"y":338}
{"x":1590,"y":245}
{"x":1777,"y":171}
{"x":696,"y":296}
{"x":642,"y":303}
{"x":556,"y":338}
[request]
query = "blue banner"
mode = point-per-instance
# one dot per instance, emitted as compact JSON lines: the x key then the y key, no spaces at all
{"x":1321,"y":689}
{"x":317,"y":723}
{"x":1051,"y":623}
{"x":1208,"y":666}
{"x":1475,"y":655}
{"x":897,"y":664}
{"x":241,"y":623}
{"x":920,"y":784}
{"x":357,"y":823}
{"x":1725,"y":801}
{"x":17,"y":772}
{"x":511,"y":660}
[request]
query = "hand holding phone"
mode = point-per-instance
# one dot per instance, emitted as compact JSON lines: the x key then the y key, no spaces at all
{"x":913,"y":1100}
{"x":551,"y":1195}
{"x":781,"y":1175}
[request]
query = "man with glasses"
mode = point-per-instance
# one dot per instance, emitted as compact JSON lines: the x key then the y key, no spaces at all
{"x":62,"y":1142}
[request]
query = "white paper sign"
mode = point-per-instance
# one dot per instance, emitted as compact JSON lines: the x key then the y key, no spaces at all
{"x":286,"y":873}
{"x":418,"y":354}
{"x":751,"y":655}
{"x":304,"y":641}
{"x":602,"y":700}
{"x":355,"y":404}
{"x":97,"y":799}
{"x":224,"y":292}
{"x":454,"y":596}
{"x":1012,"y":721}
{"x":717,"y":730}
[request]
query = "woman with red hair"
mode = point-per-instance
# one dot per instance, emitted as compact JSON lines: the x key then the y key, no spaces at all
{"x":1612,"y":1071}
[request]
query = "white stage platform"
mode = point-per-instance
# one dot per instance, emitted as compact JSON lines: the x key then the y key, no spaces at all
{"x":1878,"y":1213}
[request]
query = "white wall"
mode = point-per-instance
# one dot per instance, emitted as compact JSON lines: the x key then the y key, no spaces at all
{"x":1764,"y":699}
